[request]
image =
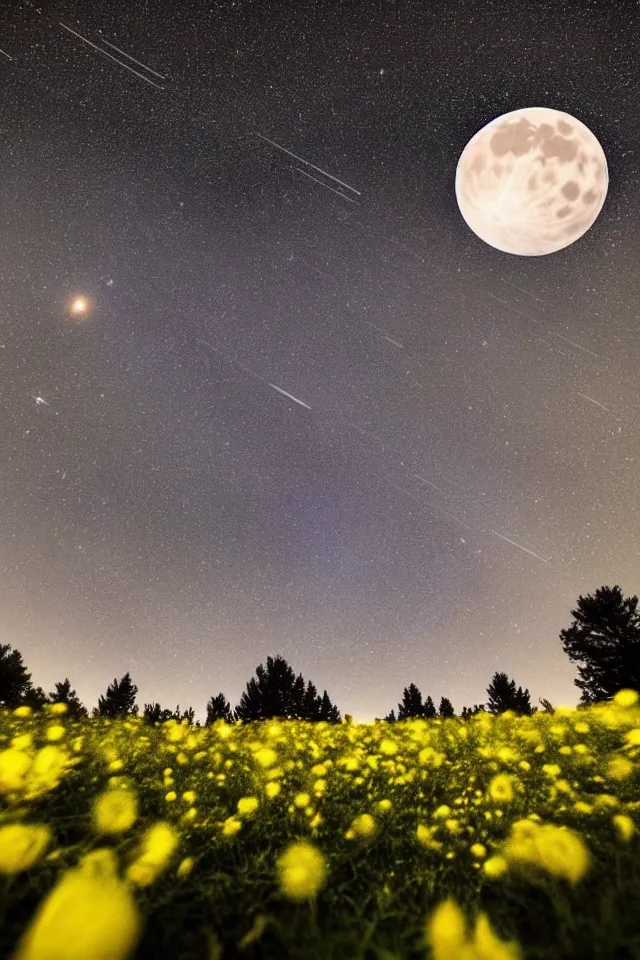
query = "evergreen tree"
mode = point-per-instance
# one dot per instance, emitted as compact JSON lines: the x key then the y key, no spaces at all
{"x":468,"y":712}
{"x":119,"y":700}
{"x":64,"y":694}
{"x":411,"y":705}
{"x":429,"y":710}
{"x":546,"y":705}
{"x":35,"y":697}
{"x":311,"y":703}
{"x":153,"y":713}
{"x":328,"y":712}
{"x":446,"y":708}
{"x":219,"y":708}
{"x":605,"y":640}
{"x":277,"y":692}
{"x":297,"y":699}
{"x":391,"y":717}
{"x":15,"y":681}
{"x":502,"y":696}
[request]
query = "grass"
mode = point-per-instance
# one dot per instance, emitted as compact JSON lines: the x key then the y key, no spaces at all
{"x":215,"y":885}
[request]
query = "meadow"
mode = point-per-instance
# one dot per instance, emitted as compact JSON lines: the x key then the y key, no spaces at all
{"x":495,"y":838}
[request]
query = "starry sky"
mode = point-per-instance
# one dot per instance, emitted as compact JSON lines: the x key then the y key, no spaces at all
{"x":460,"y":461}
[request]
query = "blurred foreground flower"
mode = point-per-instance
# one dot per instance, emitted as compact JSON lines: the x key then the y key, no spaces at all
{"x":89,"y":915}
{"x":302,"y":871}
{"x":446,"y":934}
{"x":21,"y":844}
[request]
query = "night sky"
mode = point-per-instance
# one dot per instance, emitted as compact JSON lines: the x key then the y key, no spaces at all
{"x":463,"y":461}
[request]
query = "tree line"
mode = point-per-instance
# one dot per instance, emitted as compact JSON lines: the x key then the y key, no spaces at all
{"x":604,"y":640}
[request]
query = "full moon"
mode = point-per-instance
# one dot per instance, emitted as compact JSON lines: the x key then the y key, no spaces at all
{"x":532,"y":181}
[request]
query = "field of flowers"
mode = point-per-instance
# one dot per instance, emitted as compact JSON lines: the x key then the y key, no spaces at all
{"x":494,"y":838}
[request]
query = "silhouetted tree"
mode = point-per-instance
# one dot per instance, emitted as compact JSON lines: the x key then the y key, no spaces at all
{"x":391,"y":717}
{"x":311,"y":703}
{"x":446,"y":708}
{"x":468,"y":712}
{"x":547,"y":707}
{"x":328,"y":711}
{"x":119,"y":700}
{"x":219,"y":708}
{"x":15,"y":680}
{"x":276,"y":692}
{"x":64,"y":694}
{"x":35,"y":697}
{"x":153,"y":713}
{"x":605,"y":639}
{"x":502,"y":696}
{"x":411,"y":705}
{"x":429,"y":711}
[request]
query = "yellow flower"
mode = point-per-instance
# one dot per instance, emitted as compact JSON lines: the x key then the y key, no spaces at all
{"x":495,"y":867}
{"x":624,"y":825}
{"x":185,"y":867}
{"x":478,"y":850}
{"x":247,"y":806}
{"x":619,"y":768}
{"x":302,"y":871}
{"x":364,"y":825}
{"x":558,"y":850}
{"x":266,"y":757}
{"x":22,"y":712}
{"x":272,"y":789}
{"x":231,"y":826}
{"x":632,"y":737}
{"x":189,"y":796}
{"x":55,"y":733}
{"x":14,"y":765}
{"x":21,"y":844}
{"x":87,"y":914}
{"x":501,"y":789}
{"x":23,"y":742}
{"x":626,"y":698}
{"x":115,"y":811}
{"x":388,"y":747}
{"x":487,"y":946}
{"x":171,"y":796}
{"x":58,"y":709}
{"x":384,"y":805}
{"x":158,"y":844}
{"x":302,"y":800}
{"x":445,"y":932}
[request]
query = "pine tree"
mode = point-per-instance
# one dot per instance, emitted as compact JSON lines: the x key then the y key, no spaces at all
{"x":429,"y":710}
{"x":119,"y":700}
{"x":15,"y":680}
{"x":296,"y":699}
{"x":468,"y":712}
{"x":35,"y":697}
{"x":502,"y":696}
{"x":411,"y":705}
{"x":277,"y":692}
{"x":311,"y":703}
{"x":391,"y":717}
{"x":219,"y":708}
{"x":64,"y":694}
{"x":328,"y":712}
{"x":153,"y":713}
{"x":605,"y":640}
{"x":446,"y":708}
{"x":546,"y":705}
